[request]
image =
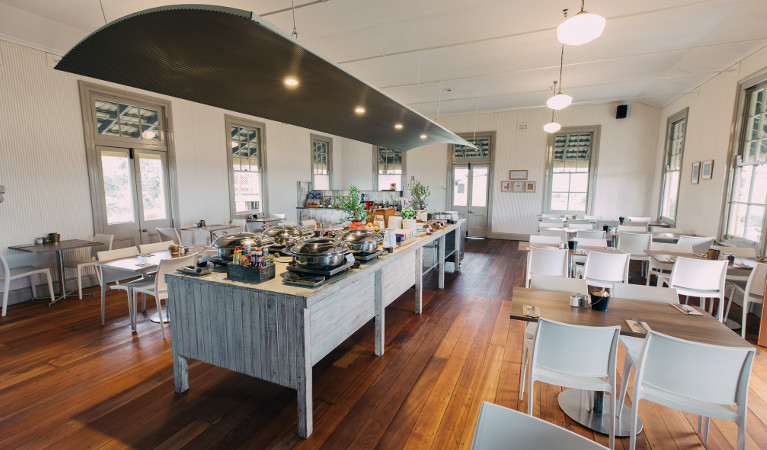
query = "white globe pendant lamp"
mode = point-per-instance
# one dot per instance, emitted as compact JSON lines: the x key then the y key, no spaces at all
{"x":581,"y":28}
{"x":559,"y":100}
{"x":552,"y":127}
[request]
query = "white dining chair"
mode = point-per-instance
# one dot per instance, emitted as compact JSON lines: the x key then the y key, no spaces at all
{"x":581,"y":226}
{"x":700,"y":278}
{"x":699,"y":244}
{"x":635,"y":245}
{"x":155,"y":247}
{"x":606,"y":269}
{"x":550,"y":224}
{"x":157,"y":287}
{"x":577,"y":261}
{"x":590,"y":234}
{"x":576,"y":357}
{"x":546,"y":261}
{"x":503,"y":428}
{"x":660,"y":269}
{"x":702,"y":379}
{"x":590,"y":242}
{"x":752,"y":291}
{"x":632,"y":228}
{"x":79,"y":264}
{"x":169,"y":234}
{"x":544,"y":240}
{"x":738,"y":252}
{"x":633,"y":345}
{"x":674,"y":230}
{"x":8,"y":275}
{"x":561,"y":233}
{"x":108,"y":275}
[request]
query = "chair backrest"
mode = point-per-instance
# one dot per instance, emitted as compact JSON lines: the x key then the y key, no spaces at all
{"x":755,"y":283}
{"x":551,"y":216}
{"x":550,"y":224}
{"x":547,"y":261}
{"x":169,"y":266}
{"x":703,"y":372}
{"x":738,"y":252}
{"x":632,"y":228}
{"x":634,"y":243}
{"x":106,"y":243}
{"x":561,"y":233}
{"x":498,"y":426}
{"x":155,"y":247}
{"x":674,"y":230}
{"x":582,"y":219}
{"x":638,"y":219}
{"x":590,"y":234}
{"x":574,"y":349}
{"x":169,"y":234}
{"x":668,"y":247}
{"x":544,"y":240}
{"x":311,"y":224}
{"x":642,"y":292}
{"x":587,"y":242}
{"x":699,"y":243}
{"x":110,"y":255}
{"x":698,"y":274}
{"x":561,"y":284}
{"x":606,"y":267}
{"x":581,"y":226}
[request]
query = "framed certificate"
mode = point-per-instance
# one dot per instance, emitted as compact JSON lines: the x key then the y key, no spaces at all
{"x":518,"y":174}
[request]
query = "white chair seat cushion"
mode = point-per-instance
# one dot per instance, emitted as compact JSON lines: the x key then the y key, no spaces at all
{"x":706,"y":409}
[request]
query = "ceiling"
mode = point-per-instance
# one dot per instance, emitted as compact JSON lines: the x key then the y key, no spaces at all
{"x":447,"y":57}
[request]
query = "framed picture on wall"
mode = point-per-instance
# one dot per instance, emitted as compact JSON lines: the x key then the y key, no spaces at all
{"x":518,"y":186}
{"x":529,"y":186}
{"x":707,"y":169}
{"x":517,"y":174}
{"x":505,"y":186}
{"x":695,"y":172}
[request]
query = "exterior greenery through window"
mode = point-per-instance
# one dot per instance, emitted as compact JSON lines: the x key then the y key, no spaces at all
{"x":321,"y":168}
{"x":247,"y":168}
{"x":390,"y":169}
{"x":672,"y":166}
{"x":570,"y":171}
{"x":748,"y":186}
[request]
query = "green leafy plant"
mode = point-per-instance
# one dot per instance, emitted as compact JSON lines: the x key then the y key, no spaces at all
{"x":351,"y":205}
{"x":420,"y":193}
{"x":408,"y":213}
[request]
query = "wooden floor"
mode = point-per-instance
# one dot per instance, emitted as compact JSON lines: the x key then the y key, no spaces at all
{"x":66,"y":381}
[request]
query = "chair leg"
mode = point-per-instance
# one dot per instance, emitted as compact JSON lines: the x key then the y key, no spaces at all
{"x":612,"y":415}
{"x":744,"y":317}
{"x":634,"y":424}
{"x":530,"y":394}
{"x":79,"y":282}
{"x":6,"y":291}
{"x":143,"y":302}
{"x":741,"y":433}
{"x":624,"y":383}
{"x":32,"y":286}
{"x":706,"y":422}
{"x":159,"y":312}
{"x":50,"y":286}
{"x":729,"y":303}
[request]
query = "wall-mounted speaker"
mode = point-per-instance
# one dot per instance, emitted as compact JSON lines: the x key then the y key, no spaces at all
{"x":622,"y":111}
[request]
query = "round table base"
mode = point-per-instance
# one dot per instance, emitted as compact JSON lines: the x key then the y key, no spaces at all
{"x":733,"y":325}
{"x":156,"y":317}
{"x":577,"y":409}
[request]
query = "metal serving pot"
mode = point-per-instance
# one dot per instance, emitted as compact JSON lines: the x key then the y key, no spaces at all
{"x":360,"y":241}
{"x":318,"y":253}
{"x":286,"y":235}
{"x":226,"y":244}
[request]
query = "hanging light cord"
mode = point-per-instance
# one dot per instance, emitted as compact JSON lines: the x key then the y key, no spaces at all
{"x":102,"y":12}
{"x":293,"y":7}
{"x":561,"y":64}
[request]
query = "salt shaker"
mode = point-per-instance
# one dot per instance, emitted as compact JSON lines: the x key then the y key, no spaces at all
{"x":575,"y":299}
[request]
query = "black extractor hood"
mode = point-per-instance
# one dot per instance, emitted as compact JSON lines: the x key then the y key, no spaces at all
{"x":233,"y":59}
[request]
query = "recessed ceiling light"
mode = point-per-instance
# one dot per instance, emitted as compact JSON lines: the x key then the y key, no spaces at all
{"x":359,"y":110}
{"x":423,"y":136}
{"x":398,"y":126}
{"x":290,"y":81}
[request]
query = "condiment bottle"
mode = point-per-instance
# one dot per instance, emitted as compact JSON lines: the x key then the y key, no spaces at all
{"x":245,"y":259}
{"x":236,"y":256}
{"x":266,"y":258}
{"x":259,"y":258}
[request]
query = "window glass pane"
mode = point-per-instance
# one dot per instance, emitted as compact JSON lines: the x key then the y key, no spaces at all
{"x":247,"y":192}
{"x":737,"y":226}
{"x":559,"y":201}
{"x":385,"y":182}
{"x":754,"y":223}
{"x":322,"y":182}
{"x":118,"y":187}
{"x":460,"y":186}
{"x":152,"y":187}
{"x":753,"y":128}
{"x":106,"y":118}
{"x":742,"y":183}
{"x":670,"y":195}
{"x":749,"y":152}
{"x":570,"y":172}
{"x":479,"y":186}
{"x":560,"y":182}
{"x":482,"y":150}
{"x":755,"y":102}
{"x":759,"y":190}
{"x":577,"y":202}
{"x":579,"y":182}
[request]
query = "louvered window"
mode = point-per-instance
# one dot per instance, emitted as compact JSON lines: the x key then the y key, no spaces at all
{"x":570,"y":173}
{"x":247,"y":167}
{"x":321,"y":159}
{"x":390,"y":169}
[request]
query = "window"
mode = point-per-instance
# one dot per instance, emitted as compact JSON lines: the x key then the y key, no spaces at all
{"x":248,"y":193}
{"x":389,"y":169}
{"x":672,"y":166}
{"x":570,"y":170}
{"x":322,"y":149}
{"x":462,"y":152}
{"x":748,"y":183}
{"x":123,"y":120}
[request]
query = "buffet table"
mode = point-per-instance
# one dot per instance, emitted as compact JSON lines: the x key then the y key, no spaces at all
{"x":277,"y":332}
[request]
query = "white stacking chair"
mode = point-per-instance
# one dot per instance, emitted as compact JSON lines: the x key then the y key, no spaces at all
{"x":9,"y":275}
{"x":503,"y":428}
{"x":700,"y":278}
{"x":590,"y":234}
{"x":699,"y":244}
{"x":169,"y":234}
{"x":635,"y":245}
{"x":751,"y":290}
{"x":155,"y":247}
{"x":606,"y":269}
{"x":544,"y":240}
{"x":674,"y":230}
{"x":80,"y":264}
{"x":576,"y":357}
{"x":546,"y":261}
{"x":109,"y":275}
{"x":551,"y":223}
{"x":310,"y":224}
{"x":632,"y":228}
{"x":157,"y":287}
{"x":581,"y":226}
{"x":561,"y":233}
{"x":633,"y":345}
{"x":591,"y":242}
{"x":697,"y":378}
{"x":659,"y":269}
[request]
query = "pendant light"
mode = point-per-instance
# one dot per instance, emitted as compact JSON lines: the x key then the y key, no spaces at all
{"x":559,"y":100}
{"x":552,"y":127}
{"x":581,"y":28}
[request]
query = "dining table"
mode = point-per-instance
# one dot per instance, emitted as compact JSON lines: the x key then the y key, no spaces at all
{"x":660,"y":317}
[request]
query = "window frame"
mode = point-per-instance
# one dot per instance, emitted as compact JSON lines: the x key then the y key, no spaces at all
{"x":670,"y":121}
{"x":231,"y":121}
{"x":328,"y":140}
{"x":596,"y":131}
{"x":375,"y":168}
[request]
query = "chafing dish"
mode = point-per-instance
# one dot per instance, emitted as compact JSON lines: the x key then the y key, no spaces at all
{"x":226,"y":244}
{"x":286,"y":235}
{"x":360,"y":241}
{"x":318,"y":253}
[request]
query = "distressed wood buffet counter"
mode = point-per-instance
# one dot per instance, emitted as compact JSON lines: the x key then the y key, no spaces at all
{"x":277,"y":332}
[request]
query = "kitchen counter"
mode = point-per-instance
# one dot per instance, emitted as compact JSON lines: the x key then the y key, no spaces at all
{"x":277,"y":332}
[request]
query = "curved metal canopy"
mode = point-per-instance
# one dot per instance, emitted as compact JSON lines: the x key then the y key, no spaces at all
{"x":233,"y":59}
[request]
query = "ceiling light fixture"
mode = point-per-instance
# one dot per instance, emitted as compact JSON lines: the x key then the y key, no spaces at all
{"x":359,"y":110}
{"x":291,"y":82}
{"x":423,"y":136}
{"x":398,"y":126}
{"x":559,"y":100}
{"x":552,"y":127}
{"x":581,"y":28}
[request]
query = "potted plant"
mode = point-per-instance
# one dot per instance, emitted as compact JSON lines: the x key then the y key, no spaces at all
{"x":408,"y":222}
{"x":352,"y":205}
{"x":420,"y":194}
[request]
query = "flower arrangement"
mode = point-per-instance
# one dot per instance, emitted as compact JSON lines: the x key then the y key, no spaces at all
{"x":420,"y":193}
{"x":351,"y":204}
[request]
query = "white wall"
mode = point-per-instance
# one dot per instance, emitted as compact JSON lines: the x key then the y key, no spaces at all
{"x":357,"y":163}
{"x":709,"y":121}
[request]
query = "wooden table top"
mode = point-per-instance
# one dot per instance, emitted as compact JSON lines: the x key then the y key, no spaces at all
{"x":667,"y":257}
{"x":141,"y":264}
{"x":63,"y":245}
{"x":581,"y":250}
{"x":661,"y":317}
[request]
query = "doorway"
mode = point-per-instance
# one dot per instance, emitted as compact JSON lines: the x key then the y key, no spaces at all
{"x":470,"y":183}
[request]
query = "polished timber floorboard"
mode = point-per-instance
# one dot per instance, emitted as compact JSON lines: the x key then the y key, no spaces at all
{"x":68,"y":382}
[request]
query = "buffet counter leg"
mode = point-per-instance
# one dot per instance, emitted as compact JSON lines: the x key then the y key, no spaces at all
{"x":442,"y":262}
{"x":380,"y":313}
{"x":419,"y":280}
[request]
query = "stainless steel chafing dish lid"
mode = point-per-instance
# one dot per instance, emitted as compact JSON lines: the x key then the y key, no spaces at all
{"x":282,"y":232}
{"x":319,"y":247}
{"x":359,"y":236}
{"x":242,"y":239}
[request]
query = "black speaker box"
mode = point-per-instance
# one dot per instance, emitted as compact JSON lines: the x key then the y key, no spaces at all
{"x":622,"y":111}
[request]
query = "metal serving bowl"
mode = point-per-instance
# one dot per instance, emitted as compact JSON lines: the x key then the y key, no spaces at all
{"x":318,"y":253}
{"x":362,"y":242}
{"x":226,"y":244}
{"x":286,"y":235}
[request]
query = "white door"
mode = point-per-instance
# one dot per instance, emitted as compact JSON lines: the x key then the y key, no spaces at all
{"x":470,"y":189}
{"x":134,"y":185}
